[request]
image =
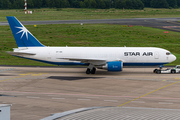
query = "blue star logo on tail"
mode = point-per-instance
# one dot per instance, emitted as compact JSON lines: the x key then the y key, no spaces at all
{"x":23,"y":30}
{"x":23,"y":37}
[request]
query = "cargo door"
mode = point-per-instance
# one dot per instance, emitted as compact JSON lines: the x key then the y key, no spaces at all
{"x":49,"y":56}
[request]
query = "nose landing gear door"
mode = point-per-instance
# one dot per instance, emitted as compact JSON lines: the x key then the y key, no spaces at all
{"x":156,"y":55}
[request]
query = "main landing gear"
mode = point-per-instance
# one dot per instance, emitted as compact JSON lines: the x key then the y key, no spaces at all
{"x":88,"y":71}
{"x":91,"y":69}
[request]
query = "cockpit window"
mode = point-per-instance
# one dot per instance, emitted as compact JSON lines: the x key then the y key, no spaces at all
{"x":168,"y":53}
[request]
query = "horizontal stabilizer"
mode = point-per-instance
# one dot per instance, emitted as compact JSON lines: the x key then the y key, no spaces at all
{"x":20,"y":53}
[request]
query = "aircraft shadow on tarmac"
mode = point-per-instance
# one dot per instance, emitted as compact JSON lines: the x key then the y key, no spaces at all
{"x":6,"y":75}
{"x":6,"y":95}
{"x":68,"y":78}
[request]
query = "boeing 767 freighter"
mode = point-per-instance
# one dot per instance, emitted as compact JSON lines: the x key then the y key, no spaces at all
{"x":108,"y":58}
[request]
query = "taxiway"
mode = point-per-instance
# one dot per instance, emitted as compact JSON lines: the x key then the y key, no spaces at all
{"x":171,"y":24}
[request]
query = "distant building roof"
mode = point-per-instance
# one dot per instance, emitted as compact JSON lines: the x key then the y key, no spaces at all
{"x":5,"y":105}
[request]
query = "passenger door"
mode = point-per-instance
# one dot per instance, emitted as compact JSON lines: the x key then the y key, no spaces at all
{"x":156,"y":55}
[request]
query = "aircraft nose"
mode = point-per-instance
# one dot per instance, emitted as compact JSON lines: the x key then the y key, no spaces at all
{"x":173,"y":58}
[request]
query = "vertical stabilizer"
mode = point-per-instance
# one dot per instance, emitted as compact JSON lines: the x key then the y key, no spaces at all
{"x":22,"y":36}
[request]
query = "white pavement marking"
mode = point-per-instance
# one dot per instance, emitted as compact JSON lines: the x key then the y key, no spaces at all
{"x":59,"y":98}
{"x":172,"y":100}
{"x":52,"y":95}
{"x":111,"y":100}
{"x":138,"y":101}
{"x":164,"y":103}
{"x":92,"y":97}
{"x":17,"y":94}
{"x":84,"y":99}
{"x":3,"y":70}
{"x":31,"y":97}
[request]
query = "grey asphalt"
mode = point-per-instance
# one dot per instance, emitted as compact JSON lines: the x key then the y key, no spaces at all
{"x":38,"y":92}
{"x":162,"y":23}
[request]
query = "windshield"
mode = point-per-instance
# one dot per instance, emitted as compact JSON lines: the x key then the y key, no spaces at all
{"x":168,"y":53}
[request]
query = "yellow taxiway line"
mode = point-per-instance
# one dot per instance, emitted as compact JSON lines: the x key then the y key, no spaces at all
{"x":22,"y":75}
{"x":149,"y":93}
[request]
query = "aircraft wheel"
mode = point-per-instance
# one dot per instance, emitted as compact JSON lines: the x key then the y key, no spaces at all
{"x":88,"y":71}
{"x":93,"y":70}
{"x":158,"y":71}
{"x":173,"y":71}
{"x":155,"y":70}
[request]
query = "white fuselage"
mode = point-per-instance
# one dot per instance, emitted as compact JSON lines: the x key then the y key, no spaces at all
{"x":145,"y":56}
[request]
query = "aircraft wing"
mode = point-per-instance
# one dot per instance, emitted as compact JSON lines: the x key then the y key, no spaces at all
{"x":20,"y":53}
{"x":93,"y":61}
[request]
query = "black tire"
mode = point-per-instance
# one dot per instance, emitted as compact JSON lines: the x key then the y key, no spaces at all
{"x":88,"y":71}
{"x":158,"y":72}
{"x":93,"y":71}
{"x":173,"y":71}
{"x":155,"y":70}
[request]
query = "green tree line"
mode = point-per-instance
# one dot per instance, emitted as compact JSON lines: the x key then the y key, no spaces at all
{"x":100,"y":4}
{"x":162,"y":3}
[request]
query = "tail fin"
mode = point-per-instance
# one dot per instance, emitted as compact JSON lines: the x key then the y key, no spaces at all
{"x":22,"y":36}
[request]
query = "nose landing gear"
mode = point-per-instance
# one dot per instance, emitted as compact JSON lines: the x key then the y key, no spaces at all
{"x":158,"y":71}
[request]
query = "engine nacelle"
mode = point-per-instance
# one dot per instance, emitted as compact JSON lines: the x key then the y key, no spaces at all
{"x":113,"y":66}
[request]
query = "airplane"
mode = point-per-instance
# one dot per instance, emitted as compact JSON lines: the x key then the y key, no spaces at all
{"x":108,"y":58}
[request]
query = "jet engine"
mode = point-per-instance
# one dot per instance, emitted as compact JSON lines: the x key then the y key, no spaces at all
{"x":114,"y":66}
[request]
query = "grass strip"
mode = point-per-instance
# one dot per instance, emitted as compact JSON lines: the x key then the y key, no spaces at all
{"x":97,"y":35}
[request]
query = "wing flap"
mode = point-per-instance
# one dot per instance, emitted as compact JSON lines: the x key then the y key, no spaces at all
{"x":83,"y":59}
{"x":94,"y":61}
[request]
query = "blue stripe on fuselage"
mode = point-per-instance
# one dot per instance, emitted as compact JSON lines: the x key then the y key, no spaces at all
{"x":143,"y":64}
